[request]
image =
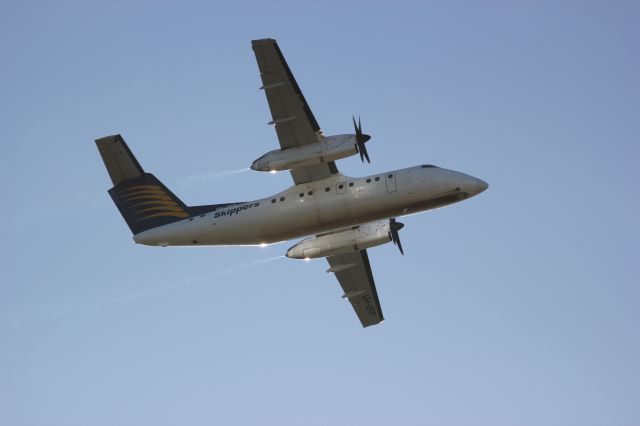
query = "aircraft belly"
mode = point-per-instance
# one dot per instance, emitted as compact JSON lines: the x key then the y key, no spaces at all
{"x":237,"y":230}
{"x":307,"y":216}
{"x":290,"y":221}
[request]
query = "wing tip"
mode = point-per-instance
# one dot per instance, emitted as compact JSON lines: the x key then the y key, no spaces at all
{"x":372,"y":323}
{"x":263,"y":41}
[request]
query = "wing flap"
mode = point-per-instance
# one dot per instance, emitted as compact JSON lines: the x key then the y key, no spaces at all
{"x":353,"y":271}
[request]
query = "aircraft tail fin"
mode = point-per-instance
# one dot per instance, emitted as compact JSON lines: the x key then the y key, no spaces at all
{"x":142,"y":199}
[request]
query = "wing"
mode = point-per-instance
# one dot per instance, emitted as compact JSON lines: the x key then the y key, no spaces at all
{"x":354,"y":274}
{"x":291,"y":115}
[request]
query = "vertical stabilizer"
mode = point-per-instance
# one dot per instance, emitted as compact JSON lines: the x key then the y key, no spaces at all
{"x":142,"y":199}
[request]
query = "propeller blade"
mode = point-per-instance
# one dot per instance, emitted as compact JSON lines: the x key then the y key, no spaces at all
{"x":360,"y":149}
{"x":400,"y":245}
{"x":363,"y":150}
{"x":395,"y":236}
{"x":361,"y":138}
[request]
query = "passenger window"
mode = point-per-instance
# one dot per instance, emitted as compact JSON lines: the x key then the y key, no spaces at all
{"x":390,"y":176}
{"x":377,"y":178}
{"x":310,"y":193}
{"x":273,"y":200}
{"x":301,"y":194}
{"x":327,"y":189}
{"x":368,"y":180}
{"x":281,"y":198}
{"x":350,"y":183}
{"x":340,"y":186}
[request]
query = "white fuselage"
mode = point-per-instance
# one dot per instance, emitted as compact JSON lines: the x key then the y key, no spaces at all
{"x":320,"y":206}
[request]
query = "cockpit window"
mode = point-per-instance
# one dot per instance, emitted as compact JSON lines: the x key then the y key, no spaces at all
{"x":426,"y":166}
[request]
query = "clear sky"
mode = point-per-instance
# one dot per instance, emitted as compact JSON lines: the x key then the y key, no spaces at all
{"x":518,"y":307}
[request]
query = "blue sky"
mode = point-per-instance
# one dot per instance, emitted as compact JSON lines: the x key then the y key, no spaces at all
{"x":517,"y":307}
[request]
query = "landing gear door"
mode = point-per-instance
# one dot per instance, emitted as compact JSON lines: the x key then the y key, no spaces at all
{"x":392,"y":186}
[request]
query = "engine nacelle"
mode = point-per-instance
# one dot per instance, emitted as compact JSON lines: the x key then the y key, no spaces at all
{"x":354,"y":239}
{"x":330,"y":148}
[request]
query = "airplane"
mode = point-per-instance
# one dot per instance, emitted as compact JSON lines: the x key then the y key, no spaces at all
{"x":340,"y":216}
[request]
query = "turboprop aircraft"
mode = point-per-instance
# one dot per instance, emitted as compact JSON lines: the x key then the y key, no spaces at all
{"x":341,"y":216}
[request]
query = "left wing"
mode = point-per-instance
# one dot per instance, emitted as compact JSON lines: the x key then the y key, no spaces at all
{"x":354,"y":274}
{"x":294,"y":122}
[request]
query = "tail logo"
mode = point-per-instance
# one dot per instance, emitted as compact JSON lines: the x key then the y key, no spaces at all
{"x":149,"y":201}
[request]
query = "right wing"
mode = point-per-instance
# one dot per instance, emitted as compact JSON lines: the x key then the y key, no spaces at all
{"x":354,"y":274}
{"x":294,"y":122}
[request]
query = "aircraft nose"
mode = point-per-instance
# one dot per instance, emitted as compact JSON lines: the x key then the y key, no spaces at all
{"x":482,"y":185}
{"x":478,"y":185}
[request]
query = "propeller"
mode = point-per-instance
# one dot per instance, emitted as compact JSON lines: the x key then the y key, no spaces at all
{"x":393,"y":233}
{"x":361,"y":138}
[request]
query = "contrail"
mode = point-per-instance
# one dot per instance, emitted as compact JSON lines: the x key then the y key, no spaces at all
{"x":48,"y":310}
{"x":247,"y":265}
{"x":198,"y":279}
{"x":196,"y":179}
